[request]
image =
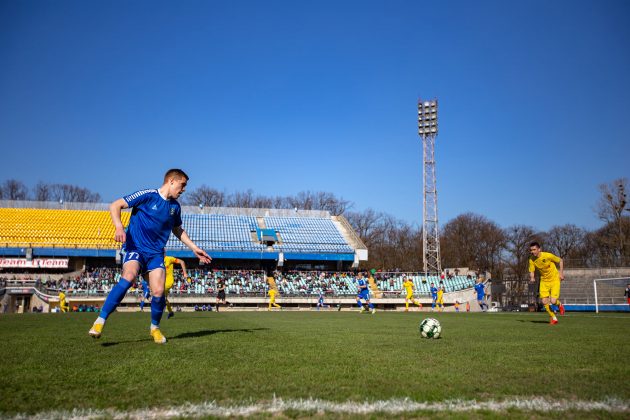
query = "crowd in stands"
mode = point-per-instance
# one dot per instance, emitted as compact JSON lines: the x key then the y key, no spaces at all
{"x":99,"y":281}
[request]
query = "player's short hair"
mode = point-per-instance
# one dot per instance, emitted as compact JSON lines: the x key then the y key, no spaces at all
{"x":535,"y":243}
{"x":176,"y":173}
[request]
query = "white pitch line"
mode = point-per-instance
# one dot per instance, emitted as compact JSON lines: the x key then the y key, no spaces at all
{"x":279,"y":405}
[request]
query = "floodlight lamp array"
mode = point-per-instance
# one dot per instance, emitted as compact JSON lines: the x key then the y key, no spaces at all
{"x":427,"y":117}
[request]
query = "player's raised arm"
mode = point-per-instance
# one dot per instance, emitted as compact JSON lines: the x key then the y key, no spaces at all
{"x":181,"y":234}
{"x":115,"y":210}
{"x":183,"y":265}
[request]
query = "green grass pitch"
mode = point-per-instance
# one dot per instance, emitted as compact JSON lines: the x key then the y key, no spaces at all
{"x":50,"y":364}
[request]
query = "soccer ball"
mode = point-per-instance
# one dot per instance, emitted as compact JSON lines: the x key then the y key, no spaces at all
{"x":430,"y":328}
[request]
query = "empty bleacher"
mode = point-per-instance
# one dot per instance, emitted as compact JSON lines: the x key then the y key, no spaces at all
{"x":227,"y":230}
{"x":301,"y":234}
{"x":221,"y":232}
{"x":48,"y":228}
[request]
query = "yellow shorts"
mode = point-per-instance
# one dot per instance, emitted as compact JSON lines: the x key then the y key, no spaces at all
{"x":409,"y":296}
{"x":169,"y":283}
{"x":550,"y":289}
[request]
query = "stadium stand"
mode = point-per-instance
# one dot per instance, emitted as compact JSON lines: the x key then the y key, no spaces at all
{"x":226,"y":233}
{"x":48,"y":228}
{"x":306,"y":252}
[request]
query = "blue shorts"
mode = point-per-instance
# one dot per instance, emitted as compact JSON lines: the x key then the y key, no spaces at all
{"x":364,"y":295}
{"x":148,"y":262}
{"x":480,"y":297}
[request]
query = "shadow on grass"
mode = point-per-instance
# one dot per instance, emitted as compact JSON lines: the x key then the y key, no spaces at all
{"x":202,"y":333}
{"x":533,"y":321}
{"x":115,"y":343}
{"x":192,"y":334}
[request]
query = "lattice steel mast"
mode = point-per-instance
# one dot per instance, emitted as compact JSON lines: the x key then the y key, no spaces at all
{"x":427,"y":129}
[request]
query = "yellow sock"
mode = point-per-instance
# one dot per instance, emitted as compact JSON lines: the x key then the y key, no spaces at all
{"x":549,"y":311}
{"x":168,"y":306}
{"x":406,"y":304}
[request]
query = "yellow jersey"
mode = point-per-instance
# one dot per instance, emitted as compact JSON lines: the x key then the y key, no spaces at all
{"x":408,"y":285}
{"x":546,"y":264}
{"x":440,"y":293}
{"x":168,"y":265}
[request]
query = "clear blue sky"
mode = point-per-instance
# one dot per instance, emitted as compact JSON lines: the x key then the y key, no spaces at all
{"x":286,"y":96}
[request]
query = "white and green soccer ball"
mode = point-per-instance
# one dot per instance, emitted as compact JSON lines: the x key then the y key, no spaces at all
{"x":430,"y":328}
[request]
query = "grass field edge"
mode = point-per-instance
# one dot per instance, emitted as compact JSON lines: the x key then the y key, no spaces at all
{"x":392,"y":406}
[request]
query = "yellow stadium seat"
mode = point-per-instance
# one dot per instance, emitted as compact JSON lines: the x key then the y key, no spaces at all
{"x":58,"y":228}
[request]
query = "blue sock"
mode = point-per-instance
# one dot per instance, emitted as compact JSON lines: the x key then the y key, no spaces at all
{"x":370,"y":305}
{"x":360,"y":304}
{"x":142,"y":304}
{"x":554,"y":307}
{"x":157,"y":309}
{"x":433,"y":305}
{"x":115,"y":297}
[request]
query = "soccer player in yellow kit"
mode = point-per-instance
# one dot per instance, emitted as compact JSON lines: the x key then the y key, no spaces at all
{"x":408,"y":285}
{"x":63,"y":303}
{"x":272,"y":299}
{"x":170,"y":280}
{"x":440,"y":299}
{"x":550,"y":279}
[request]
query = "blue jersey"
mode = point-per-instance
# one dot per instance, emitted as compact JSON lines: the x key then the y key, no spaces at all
{"x":434,"y":291}
{"x":152,"y":220}
{"x":362,"y":291}
{"x":321,"y":298}
{"x":480,"y":289}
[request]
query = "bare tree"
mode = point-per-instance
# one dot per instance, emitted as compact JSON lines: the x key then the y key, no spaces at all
{"x":518,"y":239}
{"x":205,"y":196}
{"x":565,"y":241}
{"x":611,"y":207}
{"x":73,"y":193}
{"x":42,"y":192}
{"x":471,"y":240}
{"x":12,"y":189}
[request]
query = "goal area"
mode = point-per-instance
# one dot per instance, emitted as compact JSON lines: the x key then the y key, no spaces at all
{"x":609,"y":294}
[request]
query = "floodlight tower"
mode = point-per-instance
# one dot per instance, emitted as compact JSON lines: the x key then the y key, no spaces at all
{"x":428,"y":129}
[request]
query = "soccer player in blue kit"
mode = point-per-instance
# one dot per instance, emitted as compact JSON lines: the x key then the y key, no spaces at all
{"x":156,"y":213}
{"x":434,"y":292}
{"x":480,"y":289}
{"x":363,"y":293}
{"x":145,"y":293}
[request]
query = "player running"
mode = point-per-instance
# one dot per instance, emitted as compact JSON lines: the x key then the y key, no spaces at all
{"x":320,"y":301}
{"x":439,"y":299}
{"x":170,"y":280}
{"x":363,"y":294}
{"x":272,"y":299}
{"x":221,"y":293}
{"x":480,"y":290}
{"x":408,"y":286}
{"x":156,"y":213}
{"x":64,"y":306}
{"x":550,"y":279}
{"x":434,"y":293}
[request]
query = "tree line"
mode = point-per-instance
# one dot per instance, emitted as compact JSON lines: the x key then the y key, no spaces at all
{"x":469,"y":240}
{"x":13,"y":189}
